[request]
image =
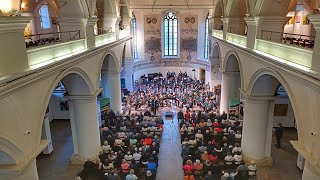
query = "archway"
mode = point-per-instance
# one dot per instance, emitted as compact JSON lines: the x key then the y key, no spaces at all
{"x":110,"y":82}
{"x":231,"y":83}
{"x":215,"y":61}
{"x":70,"y":126}
{"x":269,"y":102}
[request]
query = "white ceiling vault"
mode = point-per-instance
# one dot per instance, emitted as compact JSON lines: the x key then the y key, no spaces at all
{"x":216,"y":8}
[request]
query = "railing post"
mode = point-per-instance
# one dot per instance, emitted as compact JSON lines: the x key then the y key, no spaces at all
{"x":12,"y":45}
{"x":225,"y":22}
{"x":89,"y":32}
{"x":315,"y":20}
{"x":252,"y":23}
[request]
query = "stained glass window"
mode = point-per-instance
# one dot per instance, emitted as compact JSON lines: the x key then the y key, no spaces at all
{"x":44,"y":17}
{"x":206,"y":40}
{"x":134,"y":37}
{"x":170,"y":35}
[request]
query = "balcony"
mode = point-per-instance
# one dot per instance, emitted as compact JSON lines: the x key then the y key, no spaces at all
{"x":237,"y":39}
{"x":217,"y":33}
{"x":44,"y":55}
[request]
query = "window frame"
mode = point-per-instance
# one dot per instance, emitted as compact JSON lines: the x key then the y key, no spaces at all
{"x":163,"y":35}
{"x":206,"y":38}
{"x":134,"y":37}
{"x":43,"y":17}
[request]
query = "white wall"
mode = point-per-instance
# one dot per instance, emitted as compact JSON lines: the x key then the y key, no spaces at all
{"x":286,"y":121}
{"x":299,"y":28}
{"x":54,"y":107}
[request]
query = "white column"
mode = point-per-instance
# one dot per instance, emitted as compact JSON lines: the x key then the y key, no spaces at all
{"x":112,"y":89}
{"x":29,"y":172}
{"x":225,"y":22}
{"x":225,"y":95}
{"x":12,"y":46}
{"x":46,"y":134}
{"x":255,"y":127}
{"x":315,"y":20}
{"x":252,"y":24}
{"x":89,"y":32}
{"x":229,"y":89}
{"x":84,"y":126}
{"x":310,"y":172}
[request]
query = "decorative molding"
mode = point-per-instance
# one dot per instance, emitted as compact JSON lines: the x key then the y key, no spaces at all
{"x":309,"y":79}
{"x":141,"y":65}
{"x":18,"y":81}
{"x":8,"y":23}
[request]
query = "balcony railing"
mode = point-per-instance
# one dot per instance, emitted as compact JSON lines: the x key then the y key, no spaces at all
{"x":288,"y":38}
{"x":35,"y":40}
{"x":238,"y":31}
{"x":103,"y":30}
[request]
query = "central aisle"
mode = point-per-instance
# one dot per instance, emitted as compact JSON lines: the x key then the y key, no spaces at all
{"x":170,"y":160}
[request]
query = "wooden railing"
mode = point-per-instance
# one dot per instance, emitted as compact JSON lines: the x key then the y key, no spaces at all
{"x":47,"y":38}
{"x":289,"y":38}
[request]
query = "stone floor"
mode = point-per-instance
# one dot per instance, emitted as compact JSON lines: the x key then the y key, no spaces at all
{"x":56,"y":165}
{"x":170,"y":160}
{"x":284,"y":160}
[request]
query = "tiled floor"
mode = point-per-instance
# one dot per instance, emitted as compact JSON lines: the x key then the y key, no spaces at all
{"x":56,"y":166}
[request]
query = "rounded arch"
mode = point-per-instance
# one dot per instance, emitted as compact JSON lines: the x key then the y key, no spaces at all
{"x":276,"y":79}
{"x":215,"y":54}
{"x":109,"y":60}
{"x":10,"y":154}
{"x":71,"y":78}
{"x":232,"y":63}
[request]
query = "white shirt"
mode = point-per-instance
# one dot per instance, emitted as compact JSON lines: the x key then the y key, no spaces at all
{"x":137,"y":156}
{"x":237,"y":158}
{"x":236,"y":149}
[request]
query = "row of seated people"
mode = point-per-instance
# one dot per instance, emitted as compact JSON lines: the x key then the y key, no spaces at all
{"x":34,"y":43}
{"x":212,"y":150}
{"x":299,"y":41}
{"x":130,"y":147}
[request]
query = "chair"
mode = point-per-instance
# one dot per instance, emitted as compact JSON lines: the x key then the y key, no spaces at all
{"x":252,"y":175}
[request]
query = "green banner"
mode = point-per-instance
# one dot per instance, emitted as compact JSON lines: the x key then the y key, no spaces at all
{"x":234,"y":102}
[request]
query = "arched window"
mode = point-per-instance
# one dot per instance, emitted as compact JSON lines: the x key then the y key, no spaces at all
{"x":44,"y":17}
{"x":170,"y":35}
{"x":206,"y":40}
{"x":134,"y":37}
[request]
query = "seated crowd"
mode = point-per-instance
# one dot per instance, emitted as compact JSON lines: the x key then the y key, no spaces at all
{"x":211,"y":147}
{"x":130,"y":147}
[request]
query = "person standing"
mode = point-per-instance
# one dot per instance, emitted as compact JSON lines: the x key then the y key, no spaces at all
{"x":279,"y":133}
{"x":154,"y":106}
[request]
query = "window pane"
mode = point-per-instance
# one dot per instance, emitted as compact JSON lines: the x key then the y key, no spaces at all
{"x":44,"y":17}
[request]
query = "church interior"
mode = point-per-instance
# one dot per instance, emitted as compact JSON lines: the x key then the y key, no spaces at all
{"x":159,"y":89}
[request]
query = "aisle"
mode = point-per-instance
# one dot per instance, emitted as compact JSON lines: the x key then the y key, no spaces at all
{"x":170,"y":160}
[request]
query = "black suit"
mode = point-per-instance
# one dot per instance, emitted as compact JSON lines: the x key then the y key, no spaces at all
{"x":154,"y":106}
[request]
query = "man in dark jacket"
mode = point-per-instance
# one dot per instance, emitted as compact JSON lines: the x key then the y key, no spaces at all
{"x":279,"y":133}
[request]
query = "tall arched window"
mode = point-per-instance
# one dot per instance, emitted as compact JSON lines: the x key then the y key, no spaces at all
{"x":206,"y":40}
{"x":134,"y":37}
{"x":44,"y":17}
{"x":170,"y":35}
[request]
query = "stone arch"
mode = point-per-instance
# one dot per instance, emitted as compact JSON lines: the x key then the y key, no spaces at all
{"x":70,"y":77}
{"x":231,"y":64}
{"x":10,"y":154}
{"x":75,"y":9}
{"x":270,"y":8}
{"x":110,"y":60}
{"x":276,"y":79}
{"x":235,"y":9}
{"x":215,"y":54}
